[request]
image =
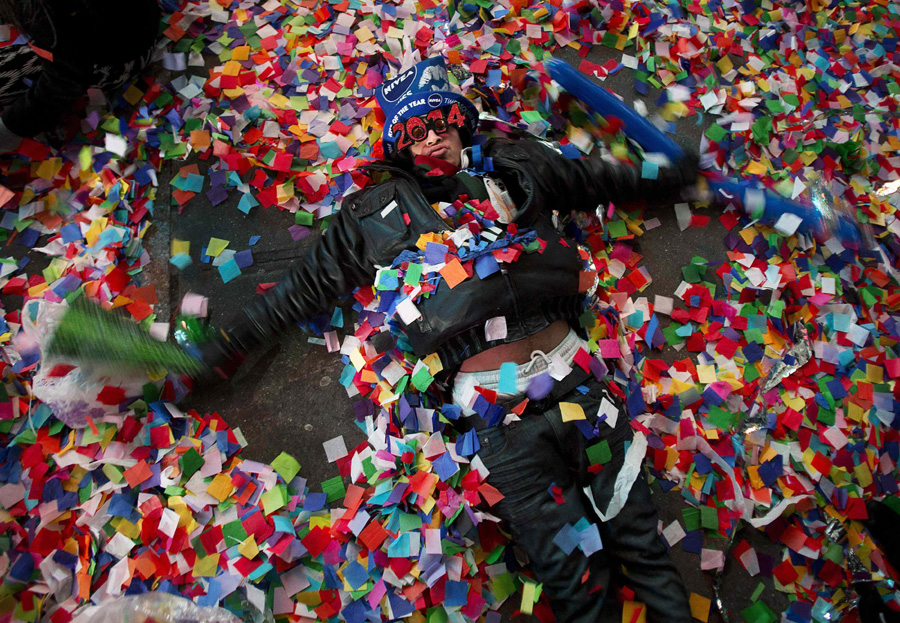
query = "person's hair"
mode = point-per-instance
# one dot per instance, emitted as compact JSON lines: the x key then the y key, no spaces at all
{"x":26,"y":16}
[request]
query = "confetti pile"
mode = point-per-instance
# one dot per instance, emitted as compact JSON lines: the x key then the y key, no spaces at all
{"x":277,"y":97}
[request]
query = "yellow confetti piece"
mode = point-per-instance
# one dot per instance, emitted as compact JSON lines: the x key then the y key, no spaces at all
{"x":427,"y":504}
{"x":364,"y":34}
{"x":49,"y":168}
{"x":434,"y":364}
{"x":699,"y":607}
{"x":133,"y":95}
{"x":356,"y":358}
{"x":180,"y":246}
{"x":38,"y":289}
{"x":221,"y":487}
{"x":231,"y":68}
{"x":706,"y":373}
{"x":279,"y":101}
{"x":749,"y":234}
{"x":863,"y":475}
{"x":678,"y":387}
{"x":634,"y":612}
{"x":215,"y":246}
{"x":571,"y":411}
{"x":756,"y":168}
{"x":874,"y":374}
{"x":206,"y":567}
{"x":755,"y":480}
{"x":240,"y":53}
{"x":527,"y":604}
{"x":725,"y":65}
{"x":85,"y":158}
{"x":128,"y":529}
{"x":855,"y":412}
{"x":796,"y":402}
{"x":248,"y":549}
{"x":308,"y":598}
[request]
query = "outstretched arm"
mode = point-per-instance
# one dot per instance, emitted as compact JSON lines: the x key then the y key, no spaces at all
{"x":585,"y":183}
{"x":337,"y":264}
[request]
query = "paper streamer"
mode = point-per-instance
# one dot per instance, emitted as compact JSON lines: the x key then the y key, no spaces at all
{"x":634,"y":457}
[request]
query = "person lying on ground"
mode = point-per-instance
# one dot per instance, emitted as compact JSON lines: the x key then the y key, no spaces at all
{"x":440,"y":179}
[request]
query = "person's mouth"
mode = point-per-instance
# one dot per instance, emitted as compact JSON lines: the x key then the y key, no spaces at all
{"x":438,"y":151}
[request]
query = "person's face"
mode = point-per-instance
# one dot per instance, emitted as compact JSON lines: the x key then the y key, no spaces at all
{"x":446,"y":146}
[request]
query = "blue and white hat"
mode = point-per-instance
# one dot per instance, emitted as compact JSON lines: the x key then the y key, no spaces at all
{"x":417,"y":91}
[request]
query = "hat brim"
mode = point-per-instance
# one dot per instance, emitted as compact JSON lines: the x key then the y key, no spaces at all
{"x":417,"y":104}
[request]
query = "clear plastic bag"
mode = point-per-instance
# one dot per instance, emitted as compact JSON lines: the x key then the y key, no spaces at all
{"x":72,"y":397}
{"x":153,"y":608}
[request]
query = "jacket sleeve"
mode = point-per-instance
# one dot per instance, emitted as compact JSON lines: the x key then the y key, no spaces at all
{"x":588,"y":182}
{"x":333,"y":267}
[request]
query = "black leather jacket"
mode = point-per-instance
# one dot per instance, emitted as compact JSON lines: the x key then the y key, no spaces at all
{"x":533,"y":292}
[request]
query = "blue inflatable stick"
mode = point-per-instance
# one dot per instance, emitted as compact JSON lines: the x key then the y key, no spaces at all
{"x":652,"y":140}
{"x":600,"y":100}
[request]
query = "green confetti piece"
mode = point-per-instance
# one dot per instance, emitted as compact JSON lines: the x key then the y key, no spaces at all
{"x":113,"y":473}
{"x":719,"y":418}
{"x":757,"y":592}
{"x":413,"y":274}
{"x":762,"y":130}
{"x":716,"y":133}
{"x":709,"y":517}
{"x":190,"y":462}
{"x":436,"y":614}
{"x":617,"y":229}
{"x":691,"y":518}
{"x":758,"y":613}
{"x":503,"y":586}
{"x":334,"y":489}
{"x":599,"y":453}
{"x":751,"y":373}
{"x":286,"y":466}
{"x":275,"y":499}
{"x":234,"y":533}
{"x":422,"y":379}
{"x":776,"y":309}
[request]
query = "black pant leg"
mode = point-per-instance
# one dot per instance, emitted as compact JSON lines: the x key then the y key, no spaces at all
{"x":630,"y":538}
{"x":524,"y":462}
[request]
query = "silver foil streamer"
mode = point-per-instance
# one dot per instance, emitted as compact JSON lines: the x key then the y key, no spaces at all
{"x":794,"y":359}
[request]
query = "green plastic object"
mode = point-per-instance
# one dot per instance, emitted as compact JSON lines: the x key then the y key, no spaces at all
{"x":88,"y":333}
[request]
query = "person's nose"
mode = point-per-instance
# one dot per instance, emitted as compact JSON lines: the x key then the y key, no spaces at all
{"x":432,"y":137}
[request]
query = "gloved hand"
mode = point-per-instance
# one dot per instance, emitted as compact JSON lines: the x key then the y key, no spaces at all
{"x":221,"y":358}
{"x":679,"y":179}
{"x":688,"y":168}
{"x":8,"y":139}
{"x":219,"y":355}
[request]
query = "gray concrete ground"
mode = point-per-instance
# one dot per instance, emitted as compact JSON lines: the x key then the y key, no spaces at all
{"x":288,"y":397}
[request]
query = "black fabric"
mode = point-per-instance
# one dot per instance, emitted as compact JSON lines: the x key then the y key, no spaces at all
{"x":94,"y":43}
{"x":525,"y":459}
{"x":18,"y":65}
{"x":536,"y":290}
